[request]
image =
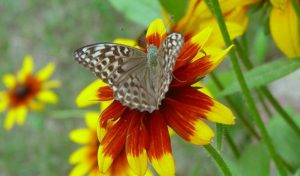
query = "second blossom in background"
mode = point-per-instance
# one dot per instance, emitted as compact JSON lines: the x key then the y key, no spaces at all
{"x":26,"y":91}
{"x":284,"y":26}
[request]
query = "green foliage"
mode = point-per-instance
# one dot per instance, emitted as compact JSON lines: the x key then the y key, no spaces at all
{"x":285,"y":140}
{"x":260,"y":46}
{"x":141,"y":11}
{"x":253,"y":161}
{"x":175,"y":8}
{"x":264,"y":74}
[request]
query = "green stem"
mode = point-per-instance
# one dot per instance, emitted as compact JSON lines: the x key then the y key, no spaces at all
{"x":218,"y":159}
{"x":296,"y":8}
{"x":220,"y":130}
{"x":232,"y":144}
{"x":237,"y":110}
{"x":65,"y":114}
{"x":215,"y":8}
{"x":247,"y":63}
{"x":280,"y":110}
{"x":269,"y":95}
{"x":260,"y":96}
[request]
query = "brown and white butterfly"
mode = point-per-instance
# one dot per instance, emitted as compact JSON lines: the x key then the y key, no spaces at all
{"x":139,"y":80}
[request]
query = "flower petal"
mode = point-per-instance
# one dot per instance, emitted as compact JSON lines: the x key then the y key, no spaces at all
{"x":136,"y":143}
{"x":83,"y":136}
{"x":199,"y":68}
{"x":90,"y":94}
{"x":47,"y":96}
{"x":36,"y":105}
{"x":111,"y":113}
{"x":21,"y":113}
{"x":124,"y":41}
{"x":192,"y":47}
{"x":159,"y":151}
{"x":91,"y":120}
{"x":113,"y":143}
{"x":284,"y":26}
{"x":216,"y":39}
{"x":79,"y":155}
{"x":202,"y":105}
{"x":188,"y":125}
{"x":51,"y":84}
{"x":4,"y":101}
{"x":120,"y":166}
{"x":202,"y":88}
{"x":156,"y":33}
{"x":10,"y":119}
{"x":26,"y":69}
{"x":46,"y":72}
{"x":9,"y":81}
{"x":81,"y":169}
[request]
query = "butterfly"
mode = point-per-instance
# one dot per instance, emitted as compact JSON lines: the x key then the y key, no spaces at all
{"x":139,"y":80}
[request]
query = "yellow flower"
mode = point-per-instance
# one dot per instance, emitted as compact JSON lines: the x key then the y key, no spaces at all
{"x":138,"y":137}
{"x":284,"y":26}
{"x":26,"y":90}
{"x":85,"y":157}
{"x":198,"y":17}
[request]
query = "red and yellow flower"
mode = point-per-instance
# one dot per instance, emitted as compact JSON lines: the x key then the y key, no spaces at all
{"x":26,"y":90}
{"x":85,"y":158}
{"x":284,"y":27}
{"x":143,"y":136}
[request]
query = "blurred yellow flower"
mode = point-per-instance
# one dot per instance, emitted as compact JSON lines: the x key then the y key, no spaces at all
{"x":284,"y":26}
{"x":85,"y":157}
{"x":26,"y":90}
{"x":198,"y":17}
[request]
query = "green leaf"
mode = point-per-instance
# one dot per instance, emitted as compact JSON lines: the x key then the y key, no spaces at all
{"x":141,"y":11}
{"x":260,"y":46}
{"x":253,"y":161}
{"x":175,"y":8}
{"x":264,"y":74}
{"x":285,"y":140}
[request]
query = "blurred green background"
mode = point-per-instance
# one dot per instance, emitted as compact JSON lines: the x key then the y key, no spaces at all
{"x":51,"y":31}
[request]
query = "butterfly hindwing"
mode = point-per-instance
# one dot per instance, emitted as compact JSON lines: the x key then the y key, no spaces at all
{"x":168,"y":52}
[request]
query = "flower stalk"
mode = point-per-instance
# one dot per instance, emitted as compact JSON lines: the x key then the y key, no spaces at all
{"x":267,"y":93}
{"x":215,"y":8}
{"x":218,"y":159}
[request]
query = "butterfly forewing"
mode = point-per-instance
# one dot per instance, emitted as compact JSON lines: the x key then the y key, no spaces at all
{"x":122,"y":67}
{"x":127,"y":72}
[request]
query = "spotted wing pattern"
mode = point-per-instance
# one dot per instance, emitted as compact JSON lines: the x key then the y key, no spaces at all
{"x":125,"y":69}
{"x":122,"y":67}
{"x":168,"y":53}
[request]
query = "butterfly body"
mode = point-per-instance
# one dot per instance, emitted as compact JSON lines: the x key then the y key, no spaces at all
{"x":139,"y":80}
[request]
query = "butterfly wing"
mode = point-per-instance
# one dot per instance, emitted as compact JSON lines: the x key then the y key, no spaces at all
{"x":122,"y":67}
{"x":168,"y":53}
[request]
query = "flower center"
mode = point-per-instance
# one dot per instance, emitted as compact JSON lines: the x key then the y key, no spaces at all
{"x":21,"y":91}
{"x":24,"y":92}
